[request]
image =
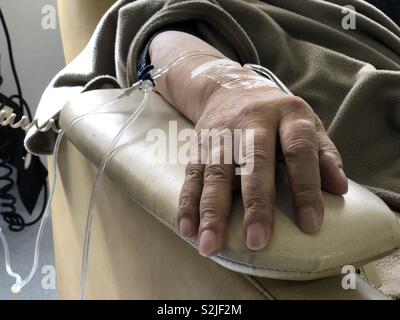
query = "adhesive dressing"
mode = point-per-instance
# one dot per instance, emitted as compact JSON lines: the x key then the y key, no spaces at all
{"x":231,"y":75}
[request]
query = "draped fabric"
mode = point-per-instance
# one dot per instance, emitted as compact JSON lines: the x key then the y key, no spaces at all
{"x":350,"y":76}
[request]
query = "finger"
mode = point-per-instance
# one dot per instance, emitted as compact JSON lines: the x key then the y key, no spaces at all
{"x":189,"y":200}
{"x":333,"y":178}
{"x":215,"y":205}
{"x":216,"y":198}
{"x":258,"y":188}
{"x":300,"y":147}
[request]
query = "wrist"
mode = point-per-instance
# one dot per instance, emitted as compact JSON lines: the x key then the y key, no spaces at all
{"x":225,"y":75}
{"x":189,"y":95}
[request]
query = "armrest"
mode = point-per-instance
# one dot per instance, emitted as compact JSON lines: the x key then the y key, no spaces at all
{"x":358,"y":227}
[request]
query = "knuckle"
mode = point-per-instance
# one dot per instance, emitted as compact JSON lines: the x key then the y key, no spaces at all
{"x":299,"y":148}
{"x":261,"y":134}
{"x":259,"y":147}
{"x":210,"y":218}
{"x":194,"y":172}
{"x":328,"y":150}
{"x":261,"y":155}
{"x":295,"y":101}
{"x":186,"y":201}
{"x":216,"y":173}
{"x":331,"y":152}
{"x":257,"y":205}
{"x":249,"y":114}
{"x":258,"y":209}
{"x":292,"y":104}
{"x":303,"y":125}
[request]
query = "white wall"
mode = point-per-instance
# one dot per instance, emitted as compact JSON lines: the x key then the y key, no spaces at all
{"x":38,"y":52}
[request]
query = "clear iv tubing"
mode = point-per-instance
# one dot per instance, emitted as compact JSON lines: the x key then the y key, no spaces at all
{"x":19,"y":283}
{"x":268,"y":74}
{"x":99,"y":175}
{"x":85,"y":260}
{"x":7,"y":261}
{"x":109,"y":154}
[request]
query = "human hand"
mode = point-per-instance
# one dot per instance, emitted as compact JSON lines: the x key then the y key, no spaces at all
{"x":280,"y":122}
{"x":312,"y":162}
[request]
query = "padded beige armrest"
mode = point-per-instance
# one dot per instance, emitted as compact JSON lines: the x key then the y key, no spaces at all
{"x":358,"y":228}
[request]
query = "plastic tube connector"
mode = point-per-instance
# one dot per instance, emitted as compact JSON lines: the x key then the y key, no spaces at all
{"x":16,"y":288}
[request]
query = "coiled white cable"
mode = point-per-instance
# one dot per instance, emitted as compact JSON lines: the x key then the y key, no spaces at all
{"x":7,"y":118}
{"x":19,"y":283}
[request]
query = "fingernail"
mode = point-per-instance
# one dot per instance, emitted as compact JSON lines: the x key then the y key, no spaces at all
{"x":309,"y":220}
{"x":256,"y":236}
{"x":185,"y":227}
{"x":343,"y":176}
{"x":208,"y":242}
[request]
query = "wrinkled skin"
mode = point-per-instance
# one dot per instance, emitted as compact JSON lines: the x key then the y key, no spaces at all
{"x":283,"y":125}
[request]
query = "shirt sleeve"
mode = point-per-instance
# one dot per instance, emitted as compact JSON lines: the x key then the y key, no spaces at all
{"x":119,"y":48}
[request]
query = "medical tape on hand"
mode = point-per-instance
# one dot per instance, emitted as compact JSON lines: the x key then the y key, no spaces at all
{"x":232,"y":75}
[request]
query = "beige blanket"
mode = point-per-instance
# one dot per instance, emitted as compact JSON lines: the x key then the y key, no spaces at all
{"x":351,"y":77}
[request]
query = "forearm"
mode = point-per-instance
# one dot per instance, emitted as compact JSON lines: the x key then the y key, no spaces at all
{"x":185,"y":94}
